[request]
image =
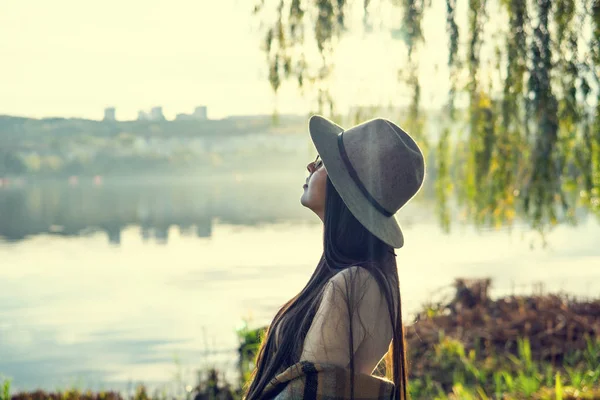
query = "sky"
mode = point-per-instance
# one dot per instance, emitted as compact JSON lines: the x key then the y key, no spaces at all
{"x":73,"y":58}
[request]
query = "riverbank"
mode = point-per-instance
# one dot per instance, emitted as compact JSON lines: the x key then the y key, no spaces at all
{"x":539,"y":346}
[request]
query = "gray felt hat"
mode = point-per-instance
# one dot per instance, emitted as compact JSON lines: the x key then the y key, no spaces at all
{"x":376,"y":168}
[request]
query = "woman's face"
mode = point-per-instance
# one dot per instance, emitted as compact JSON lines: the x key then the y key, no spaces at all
{"x":314,"y":189}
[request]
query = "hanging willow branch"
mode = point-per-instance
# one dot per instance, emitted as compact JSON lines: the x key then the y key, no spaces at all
{"x":411,"y":23}
{"x":595,"y":145}
{"x":583,"y":153}
{"x":544,"y":177}
{"x":285,"y":37}
{"x":452,"y":31}
{"x":413,"y":37}
{"x":516,"y":50}
{"x":571,"y":137}
{"x":507,"y":118}
{"x":443,"y":183}
{"x":481,"y":117}
{"x":530,"y":143}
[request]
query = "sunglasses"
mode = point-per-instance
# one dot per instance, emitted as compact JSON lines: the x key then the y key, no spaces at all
{"x":317,"y":163}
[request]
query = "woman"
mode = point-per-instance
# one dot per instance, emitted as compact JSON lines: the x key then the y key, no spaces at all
{"x":327,"y":340}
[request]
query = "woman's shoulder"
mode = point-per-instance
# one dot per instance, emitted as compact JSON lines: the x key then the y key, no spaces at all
{"x":357,"y":285}
{"x":353,"y":272}
{"x":357,"y":276}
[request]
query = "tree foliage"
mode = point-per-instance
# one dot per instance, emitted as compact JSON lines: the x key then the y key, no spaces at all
{"x":532,"y":146}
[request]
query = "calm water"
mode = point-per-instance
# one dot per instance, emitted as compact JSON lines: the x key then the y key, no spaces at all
{"x":101,"y":285}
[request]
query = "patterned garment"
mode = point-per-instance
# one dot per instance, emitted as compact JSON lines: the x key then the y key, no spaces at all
{"x":310,"y":381}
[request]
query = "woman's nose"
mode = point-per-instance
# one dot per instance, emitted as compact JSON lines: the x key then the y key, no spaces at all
{"x":310,"y":167}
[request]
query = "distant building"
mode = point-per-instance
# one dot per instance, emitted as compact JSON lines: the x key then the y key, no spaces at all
{"x":200,"y":112}
{"x":109,"y":114}
{"x":156,"y":114}
{"x":183,"y":117}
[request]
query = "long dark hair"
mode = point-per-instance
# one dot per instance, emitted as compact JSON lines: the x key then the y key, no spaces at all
{"x":347,"y":243}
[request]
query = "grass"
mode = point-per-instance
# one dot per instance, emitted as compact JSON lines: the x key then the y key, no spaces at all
{"x":5,"y":393}
{"x":466,"y":375}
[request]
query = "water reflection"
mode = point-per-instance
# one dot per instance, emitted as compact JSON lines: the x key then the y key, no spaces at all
{"x":63,"y":210}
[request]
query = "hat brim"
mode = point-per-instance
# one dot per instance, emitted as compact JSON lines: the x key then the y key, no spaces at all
{"x":324,"y":134}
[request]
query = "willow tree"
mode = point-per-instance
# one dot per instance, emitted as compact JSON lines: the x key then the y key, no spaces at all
{"x":533,"y":137}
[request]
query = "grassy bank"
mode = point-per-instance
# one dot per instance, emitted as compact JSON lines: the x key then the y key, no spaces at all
{"x":543,"y":346}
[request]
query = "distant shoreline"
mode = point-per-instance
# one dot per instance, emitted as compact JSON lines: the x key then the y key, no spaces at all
{"x":229,"y":117}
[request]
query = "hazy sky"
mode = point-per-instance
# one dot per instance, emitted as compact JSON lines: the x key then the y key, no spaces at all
{"x":72,"y":58}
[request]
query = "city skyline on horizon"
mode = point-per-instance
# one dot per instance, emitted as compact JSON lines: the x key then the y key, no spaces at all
{"x":69,"y":59}
{"x":136,"y":118}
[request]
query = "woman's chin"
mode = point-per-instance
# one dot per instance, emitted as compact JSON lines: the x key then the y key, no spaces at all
{"x":303,"y":200}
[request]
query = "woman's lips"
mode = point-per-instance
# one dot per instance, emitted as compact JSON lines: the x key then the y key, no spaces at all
{"x":305,"y":186}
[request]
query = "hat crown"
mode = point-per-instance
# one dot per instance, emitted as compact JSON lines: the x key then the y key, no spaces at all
{"x":387,"y":160}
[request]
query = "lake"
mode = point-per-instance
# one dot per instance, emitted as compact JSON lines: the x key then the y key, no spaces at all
{"x":111,"y":282}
